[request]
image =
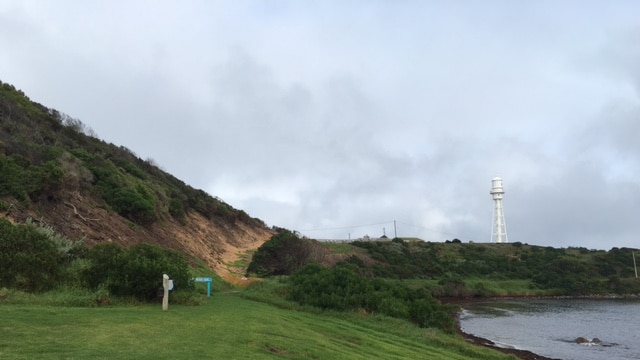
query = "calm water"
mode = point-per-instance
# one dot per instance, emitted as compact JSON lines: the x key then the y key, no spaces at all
{"x":550,"y":327}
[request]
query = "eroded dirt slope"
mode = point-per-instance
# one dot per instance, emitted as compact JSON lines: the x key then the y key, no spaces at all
{"x":217,"y":243}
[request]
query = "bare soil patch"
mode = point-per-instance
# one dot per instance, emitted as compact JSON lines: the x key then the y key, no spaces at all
{"x":218,"y":243}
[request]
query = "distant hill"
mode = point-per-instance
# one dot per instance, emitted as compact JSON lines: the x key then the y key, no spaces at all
{"x":54,"y":170}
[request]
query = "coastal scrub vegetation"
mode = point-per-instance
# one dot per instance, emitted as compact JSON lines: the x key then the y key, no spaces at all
{"x":134,"y":271}
{"x":342,"y":289}
{"x":456,"y":269}
{"x":284,"y":254}
{"x":35,"y":259}
{"x":558,"y":271}
{"x":403,"y":279}
{"x":46,"y":154}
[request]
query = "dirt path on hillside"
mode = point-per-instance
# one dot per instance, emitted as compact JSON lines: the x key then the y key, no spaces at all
{"x":234,"y":262}
{"x":225,"y":248}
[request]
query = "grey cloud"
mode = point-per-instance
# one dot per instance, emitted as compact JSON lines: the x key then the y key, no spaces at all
{"x":332,"y":115}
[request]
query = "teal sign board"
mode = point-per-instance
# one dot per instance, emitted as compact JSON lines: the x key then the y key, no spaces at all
{"x":207,"y":280}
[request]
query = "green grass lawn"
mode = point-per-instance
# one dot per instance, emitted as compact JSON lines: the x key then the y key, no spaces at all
{"x":340,"y":248}
{"x":519,"y":287}
{"x":512,"y":287}
{"x":226,"y":327}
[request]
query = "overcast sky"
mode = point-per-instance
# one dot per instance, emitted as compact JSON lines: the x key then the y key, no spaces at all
{"x":335,"y":118}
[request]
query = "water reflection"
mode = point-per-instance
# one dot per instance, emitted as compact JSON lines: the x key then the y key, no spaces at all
{"x":553,"y":327}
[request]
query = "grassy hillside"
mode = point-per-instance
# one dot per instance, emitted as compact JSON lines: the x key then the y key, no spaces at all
{"x":475,"y":269}
{"x":227,"y":327}
{"x":55,"y":170}
{"x":455,"y":269}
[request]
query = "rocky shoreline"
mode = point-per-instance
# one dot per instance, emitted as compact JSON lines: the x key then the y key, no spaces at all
{"x":476,"y":340}
{"x":521,"y":354}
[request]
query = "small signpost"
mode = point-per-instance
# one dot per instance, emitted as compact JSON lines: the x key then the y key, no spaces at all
{"x":166,"y":286}
{"x":207,"y":280}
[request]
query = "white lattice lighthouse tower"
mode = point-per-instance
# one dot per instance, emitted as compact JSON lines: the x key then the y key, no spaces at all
{"x":499,"y":228}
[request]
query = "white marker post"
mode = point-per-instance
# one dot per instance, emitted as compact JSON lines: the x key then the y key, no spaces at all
{"x":165,"y":297}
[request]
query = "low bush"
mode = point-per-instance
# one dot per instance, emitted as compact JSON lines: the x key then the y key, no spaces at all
{"x":283,"y":254}
{"x":23,"y":180}
{"x":136,"y":271}
{"x":29,"y":260}
{"x":342,"y":289}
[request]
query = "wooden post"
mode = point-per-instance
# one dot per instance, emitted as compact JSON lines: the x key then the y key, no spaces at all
{"x":165,"y":297}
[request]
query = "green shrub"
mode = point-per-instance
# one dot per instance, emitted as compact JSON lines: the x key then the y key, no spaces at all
{"x":13,"y":178}
{"x":130,"y":168}
{"x":176,"y":209}
{"x":283,"y":254}
{"x":22,"y":179}
{"x":81,"y":154}
{"x":342,"y":289}
{"x":136,"y":271}
{"x":29,"y":260}
{"x":105,"y":260}
{"x":136,"y":204}
{"x":67,"y":248}
{"x":125,"y":195}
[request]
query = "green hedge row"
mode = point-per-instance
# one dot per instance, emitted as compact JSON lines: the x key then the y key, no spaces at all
{"x":342,"y":289}
{"x":34,"y":258}
{"x":135,"y":271}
